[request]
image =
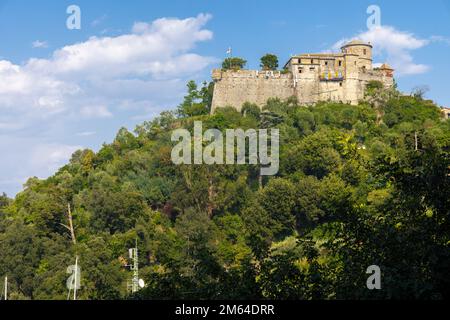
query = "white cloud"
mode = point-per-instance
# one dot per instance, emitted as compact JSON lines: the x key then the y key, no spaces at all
{"x":86,"y":133}
{"x":39,"y":44}
{"x":395,"y":45}
{"x":96,"y":112}
{"x":44,"y":102}
{"x":49,"y":157}
{"x":75,"y":74}
{"x":30,"y":92}
{"x":440,"y":39}
{"x":152,"y":49}
{"x":28,"y":157}
{"x":99,"y":20}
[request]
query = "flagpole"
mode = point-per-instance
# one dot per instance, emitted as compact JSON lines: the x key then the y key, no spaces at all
{"x":230,"y":55}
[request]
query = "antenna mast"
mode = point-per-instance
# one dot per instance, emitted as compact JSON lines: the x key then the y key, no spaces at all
{"x":136,"y":283}
{"x":134,"y":266}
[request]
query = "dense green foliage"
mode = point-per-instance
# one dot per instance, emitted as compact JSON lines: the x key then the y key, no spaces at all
{"x":269,"y":62}
{"x":196,"y":102}
{"x":358,"y":185}
{"x":234,"y":63}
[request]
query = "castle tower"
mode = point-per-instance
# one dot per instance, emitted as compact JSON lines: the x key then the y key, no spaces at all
{"x":362,"y":50}
{"x":387,"y":70}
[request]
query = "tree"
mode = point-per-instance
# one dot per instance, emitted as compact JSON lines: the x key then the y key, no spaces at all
{"x":196,"y":102}
{"x":314,"y":155}
{"x":293,"y":271}
{"x":378,"y":96}
{"x":259,"y":228}
{"x":113,"y":210}
{"x":419,"y":92}
{"x":278,"y":200}
{"x":251,"y":109}
{"x":269,"y":62}
{"x":234,"y":63}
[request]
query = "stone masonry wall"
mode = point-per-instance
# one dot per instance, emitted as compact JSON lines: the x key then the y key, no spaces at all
{"x":233,"y":88}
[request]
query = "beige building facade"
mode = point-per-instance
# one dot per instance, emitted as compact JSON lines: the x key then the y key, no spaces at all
{"x":340,"y":77}
{"x":446,"y":112}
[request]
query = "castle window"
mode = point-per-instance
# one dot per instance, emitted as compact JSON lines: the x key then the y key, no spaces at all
{"x":312,"y":69}
{"x":365,"y":51}
{"x":340,"y":84}
{"x":340,"y":63}
{"x":326,"y":63}
{"x":312,"y":61}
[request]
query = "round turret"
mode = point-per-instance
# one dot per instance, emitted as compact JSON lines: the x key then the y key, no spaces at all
{"x":363,"y":50}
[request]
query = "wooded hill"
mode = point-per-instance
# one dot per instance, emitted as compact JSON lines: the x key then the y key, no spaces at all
{"x":358,"y":186}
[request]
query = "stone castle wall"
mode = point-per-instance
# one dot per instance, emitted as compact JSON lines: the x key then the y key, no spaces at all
{"x":311,"y":78}
{"x":234,"y":88}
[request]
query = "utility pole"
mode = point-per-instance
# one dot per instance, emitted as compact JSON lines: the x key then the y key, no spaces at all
{"x":416,"y":143}
{"x":6,"y":288}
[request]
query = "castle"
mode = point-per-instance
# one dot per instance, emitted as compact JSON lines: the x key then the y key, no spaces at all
{"x":309,"y":77}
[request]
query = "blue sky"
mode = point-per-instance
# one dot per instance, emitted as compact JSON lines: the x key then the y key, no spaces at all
{"x":65,"y":89}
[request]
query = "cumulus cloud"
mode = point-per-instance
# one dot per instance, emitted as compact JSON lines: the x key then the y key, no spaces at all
{"x":395,"y":45}
{"x":158,"y":49}
{"x":153,"y":51}
{"x":32,"y":92}
{"x":45,"y":101}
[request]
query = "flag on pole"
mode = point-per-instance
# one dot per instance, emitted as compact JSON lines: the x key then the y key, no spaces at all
{"x":229,"y":51}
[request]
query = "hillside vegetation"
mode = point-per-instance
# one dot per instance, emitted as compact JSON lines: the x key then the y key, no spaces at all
{"x":358,"y":186}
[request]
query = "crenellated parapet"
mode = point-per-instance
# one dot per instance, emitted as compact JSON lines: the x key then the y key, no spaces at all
{"x":219,"y":74}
